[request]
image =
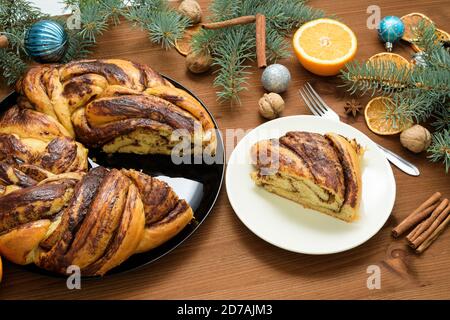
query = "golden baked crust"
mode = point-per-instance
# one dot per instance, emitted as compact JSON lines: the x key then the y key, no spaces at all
{"x":34,"y":146}
{"x":349,"y":153}
{"x":55,"y":213}
{"x":321,"y":172}
{"x":119,"y":105}
{"x":95,"y":220}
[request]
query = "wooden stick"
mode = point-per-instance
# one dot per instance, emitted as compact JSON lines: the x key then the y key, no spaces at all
{"x":261,"y":40}
{"x":426,"y":234}
{"x":229,"y":23}
{"x":424,"y":225}
{"x":417,"y":215}
{"x":433,"y":236}
{"x":3,"y":41}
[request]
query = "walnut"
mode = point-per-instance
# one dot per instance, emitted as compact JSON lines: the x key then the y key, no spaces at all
{"x":271,"y":105}
{"x":198,"y":62}
{"x":416,"y":138}
{"x":3,"y":41}
{"x":192,"y":10}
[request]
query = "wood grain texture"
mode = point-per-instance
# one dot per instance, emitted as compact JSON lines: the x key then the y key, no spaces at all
{"x":223,"y":259}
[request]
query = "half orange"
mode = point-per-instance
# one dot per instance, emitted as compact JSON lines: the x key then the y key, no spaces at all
{"x":324,"y":46}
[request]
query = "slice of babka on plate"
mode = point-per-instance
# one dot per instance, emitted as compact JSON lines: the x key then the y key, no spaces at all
{"x":321,"y":172}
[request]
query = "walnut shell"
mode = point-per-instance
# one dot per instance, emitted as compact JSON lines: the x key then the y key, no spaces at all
{"x":3,"y":41}
{"x":198,"y":62}
{"x":192,"y":10}
{"x":271,"y":105}
{"x":416,"y":138}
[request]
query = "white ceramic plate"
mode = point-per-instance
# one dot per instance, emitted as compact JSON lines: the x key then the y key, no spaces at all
{"x":287,"y":224}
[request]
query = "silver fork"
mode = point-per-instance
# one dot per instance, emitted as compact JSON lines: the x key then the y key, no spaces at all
{"x":319,"y":108}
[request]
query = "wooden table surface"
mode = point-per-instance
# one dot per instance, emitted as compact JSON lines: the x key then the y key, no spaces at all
{"x":223,"y":259}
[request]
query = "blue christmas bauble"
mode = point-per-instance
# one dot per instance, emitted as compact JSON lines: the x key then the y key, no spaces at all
{"x":46,"y":41}
{"x":276,"y":78}
{"x":390,"y":30}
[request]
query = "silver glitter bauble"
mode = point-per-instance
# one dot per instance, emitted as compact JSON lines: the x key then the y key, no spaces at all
{"x":276,"y":78}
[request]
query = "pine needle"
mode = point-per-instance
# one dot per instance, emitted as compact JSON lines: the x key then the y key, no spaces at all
{"x":11,"y":65}
{"x":230,"y":56}
{"x":440,"y":148}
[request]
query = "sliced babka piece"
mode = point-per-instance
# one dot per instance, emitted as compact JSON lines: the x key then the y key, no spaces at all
{"x":320,"y":172}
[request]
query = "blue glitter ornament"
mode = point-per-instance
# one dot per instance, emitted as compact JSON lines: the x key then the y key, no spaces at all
{"x":390,"y":30}
{"x":46,"y":41}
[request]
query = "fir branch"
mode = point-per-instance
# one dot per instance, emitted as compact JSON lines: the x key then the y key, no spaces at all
{"x":412,"y":105}
{"x":286,"y":15}
{"x":376,"y":77}
{"x":94,"y":19}
{"x":114,"y":9}
{"x":276,"y":46}
{"x":77,"y":48}
{"x":440,"y":148}
{"x":442,"y":117}
{"x":164,"y":24}
{"x":17,"y":14}
{"x":230,"y":56}
{"x":15,"y":18}
{"x":225,"y":10}
{"x":165,"y":27}
{"x":11,"y":65}
{"x":205,"y":40}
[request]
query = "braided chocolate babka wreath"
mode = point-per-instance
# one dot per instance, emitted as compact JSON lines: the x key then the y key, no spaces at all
{"x":53,"y":211}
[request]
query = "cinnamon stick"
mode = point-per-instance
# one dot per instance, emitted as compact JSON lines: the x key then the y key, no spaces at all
{"x":229,"y":23}
{"x":434,"y":225}
{"x":427,"y":223}
{"x":434,"y":235}
{"x":261,"y":40}
{"x":3,"y":41}
{"x":417,"y":215}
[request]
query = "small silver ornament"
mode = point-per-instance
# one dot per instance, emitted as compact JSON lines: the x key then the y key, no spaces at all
{"x":46,"y":41}
{"x":276,"y":78}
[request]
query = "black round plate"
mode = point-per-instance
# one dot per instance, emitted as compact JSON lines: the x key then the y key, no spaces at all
{"x":198,"y":184}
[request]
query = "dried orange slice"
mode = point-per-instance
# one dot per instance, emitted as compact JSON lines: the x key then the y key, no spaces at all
{"x":411,"y":21}
{"x":324,"y":46}
{"x":377,"y":117}
{"x":183,"y":45}
{"x":389,"y":56}
{"x":443,"y":36}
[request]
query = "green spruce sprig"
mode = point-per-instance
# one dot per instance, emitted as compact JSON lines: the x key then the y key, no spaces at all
{"x":230,"y":57}
{"x":12,"y":66}
{"x":440,"y":148}
{"x":164,"y":24}
{"x":282,"y":16}
{"x":15,"y":18}
{"x":418,"y":92}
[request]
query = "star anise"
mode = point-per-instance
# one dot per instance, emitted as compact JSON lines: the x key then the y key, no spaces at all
{"x":352,"y":107}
